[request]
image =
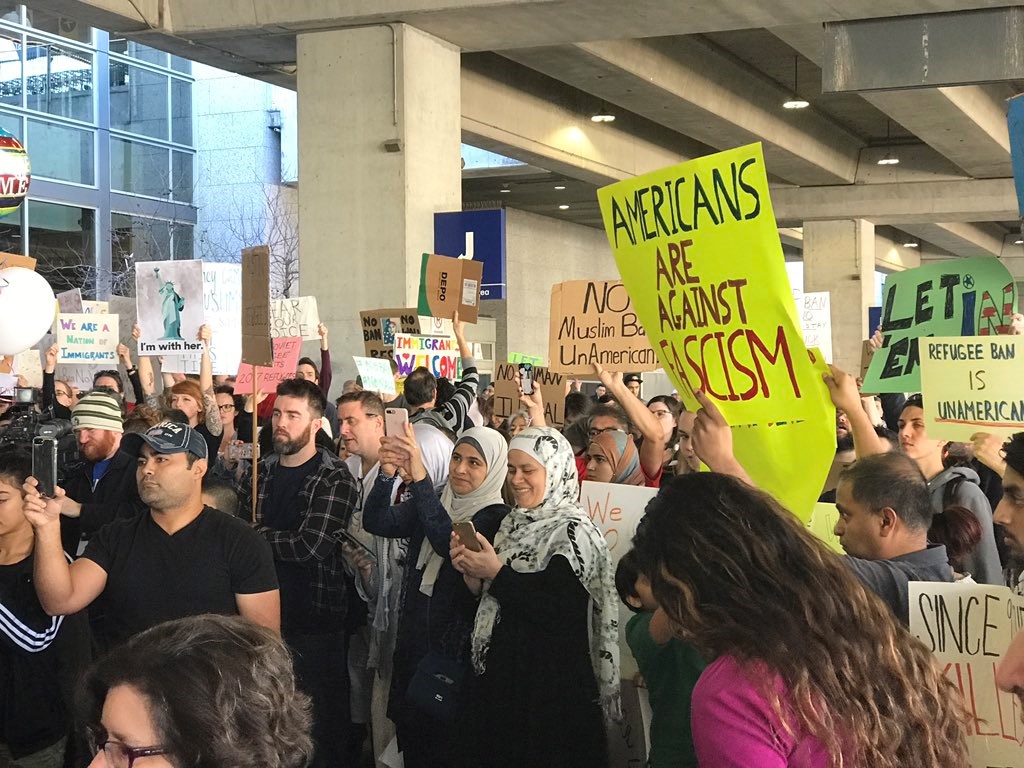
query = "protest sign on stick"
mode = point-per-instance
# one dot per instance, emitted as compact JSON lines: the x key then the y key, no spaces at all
{"x":256,"y":347}
{"x":593,"y":321}
{"x":295,"y":317}
{"x":86,"y":339}
{"x":380,"y":326}
{"x":962,"y":297}
{"x":449,"y":285}
{"x":972,"y":384}
{"x":169,"y":300}
{"x":969,"y":627}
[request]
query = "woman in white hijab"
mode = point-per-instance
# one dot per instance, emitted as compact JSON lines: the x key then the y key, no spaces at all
{"x":545,"y":641}
{"x":437,"y":612}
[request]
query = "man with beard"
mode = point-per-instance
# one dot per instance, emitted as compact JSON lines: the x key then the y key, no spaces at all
{"x":102,"y":487}
{"x":178,"y":559}
{"x":305,"y":499}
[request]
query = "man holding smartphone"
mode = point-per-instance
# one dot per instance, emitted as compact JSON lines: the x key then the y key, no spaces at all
{"x":305,"y":499}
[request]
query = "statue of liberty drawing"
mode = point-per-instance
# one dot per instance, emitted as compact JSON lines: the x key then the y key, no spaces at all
{"x":172,"y":306}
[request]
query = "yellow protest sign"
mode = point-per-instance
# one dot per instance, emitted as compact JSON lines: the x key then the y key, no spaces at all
{"x":972,"y":384}
{"x":698,"y":249}
{"x":823,"y":523}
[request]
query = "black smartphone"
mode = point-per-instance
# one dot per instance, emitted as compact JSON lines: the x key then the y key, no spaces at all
{"x":44,"y":464}
{"x":526,"y":378}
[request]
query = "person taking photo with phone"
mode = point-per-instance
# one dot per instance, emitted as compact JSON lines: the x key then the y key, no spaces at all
{"x":438,"y":608}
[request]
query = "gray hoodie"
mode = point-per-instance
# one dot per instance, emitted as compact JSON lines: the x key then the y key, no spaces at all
{"x":983,"y":563}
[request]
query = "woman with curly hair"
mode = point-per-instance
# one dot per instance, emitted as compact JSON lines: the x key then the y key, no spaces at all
{"x":810,"y":669}
{"x":203,"y":692}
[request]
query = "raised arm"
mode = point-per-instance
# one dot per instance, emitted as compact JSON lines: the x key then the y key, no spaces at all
{"x":842,"y":388}
{"x":652,"y":451}
{"x":326,"y":374}
{"x":125,"y":356}
{"x":712,"y":440}
{"x":146,"y":378}
{"x":63,"y":588}
{"x":206,"y":383}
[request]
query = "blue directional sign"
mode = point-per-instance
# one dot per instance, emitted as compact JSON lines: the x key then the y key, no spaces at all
{"x":480,"y":235}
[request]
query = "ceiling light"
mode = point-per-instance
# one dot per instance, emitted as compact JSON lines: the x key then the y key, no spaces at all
{"x":563,"y":207}
{"x":911,"y":244}
{"x":559,"y":186}
{"x":603,"y":117}
{"x":1018,"y":242}
{"x":888,"y":158}
{"x":795,"y":102}
{"x":505,"y":189}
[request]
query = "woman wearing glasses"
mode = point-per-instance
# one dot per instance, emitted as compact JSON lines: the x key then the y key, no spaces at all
{"x":203,"y":691}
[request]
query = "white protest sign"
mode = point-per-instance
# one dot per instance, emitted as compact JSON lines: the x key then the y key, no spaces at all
{"x":78,"y":377}
{"x":295,"y":317}
{"x":29,"y":365}
{"x":87,"y":339}
{"x":436,"y":326}
{"x":969,"y":627}
{"x":169,"y":298}
{"x":222,"y":311}
{"x":376,"y":375}
{"x":8,"y":383}
{"x":95,"y":307}
{"x":814,"y":315}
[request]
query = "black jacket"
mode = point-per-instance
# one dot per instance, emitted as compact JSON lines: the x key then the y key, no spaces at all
{"x":116,"y":495}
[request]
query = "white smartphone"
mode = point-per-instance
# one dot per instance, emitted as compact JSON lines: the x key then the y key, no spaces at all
{"x":395,"y":420}
{"x":526,"y":378}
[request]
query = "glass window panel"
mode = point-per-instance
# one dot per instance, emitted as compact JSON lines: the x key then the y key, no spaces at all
{"x":10,"y":12}
{"x":61,"y":152}
{"x":63,"y":241}
{"x":181,"y":166}
{"x":12,"y":232}
{"x":184,"y":245}
{"x":56,"y":24}
{"x":136,"y":238}
{"x":138,"y":100}
{"x":137,"y":50}
{"x":181,"y":111}
{"x":139,"y":168}
{"x":58,"y":80}
{"x":11,"y":50}
{"x":12,"y":124}
{"x":179,"y":64}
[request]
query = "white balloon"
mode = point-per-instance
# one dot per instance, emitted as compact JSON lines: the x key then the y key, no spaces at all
{"x":27,"y":307}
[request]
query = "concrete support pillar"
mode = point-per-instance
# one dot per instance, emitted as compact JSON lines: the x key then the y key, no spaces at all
{"x":379,"y":112}
{"x":839,"y":257}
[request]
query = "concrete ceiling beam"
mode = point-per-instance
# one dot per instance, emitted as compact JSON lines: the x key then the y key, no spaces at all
{"x":898,"y":204}
{"x":965,"y":124}
{"x":961,"y":238}
{"x":694,"y":88}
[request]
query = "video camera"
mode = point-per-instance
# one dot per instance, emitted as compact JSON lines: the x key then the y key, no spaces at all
{"x":22,"y":422}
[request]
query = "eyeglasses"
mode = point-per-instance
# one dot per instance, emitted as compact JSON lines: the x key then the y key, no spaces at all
{"x":118,"y":755}
{"x":662,"y":414}
{"x":63,"y":393}
{"x":595,"y":432}
{"x":228,"y":407}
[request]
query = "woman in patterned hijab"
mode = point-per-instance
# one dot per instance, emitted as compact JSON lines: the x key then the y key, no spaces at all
{"x":545,"y":642}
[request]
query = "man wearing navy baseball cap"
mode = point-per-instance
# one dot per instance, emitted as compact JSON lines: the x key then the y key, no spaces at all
{"x":181,"y":559}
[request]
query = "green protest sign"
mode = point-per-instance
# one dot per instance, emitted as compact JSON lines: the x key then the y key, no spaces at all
{"x":963,"y":297}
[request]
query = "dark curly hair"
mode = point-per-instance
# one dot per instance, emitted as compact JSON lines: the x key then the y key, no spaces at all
{"x":220,"y":689}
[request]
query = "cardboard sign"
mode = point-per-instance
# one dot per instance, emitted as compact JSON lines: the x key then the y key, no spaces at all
{"x":969,"y":628}
{"x":437,"y":354}
{"x":629,"y":741}
{"x":169,"y":300}
{"x":593,"y":321}
{"x":286,"y":360}
{"x":70,"y":302}
{"x":124,"y":307}
{"x":256,"y":346}
{"x":698,"y":249}
{"x":222,"y":308}
{"x":972,"y":384}
{"x":295,"y":317}
{"x":448,"y":285}
{"x":380,"y":326}
{"x":867,"y":351}
{"x":376,"y":375}
{"x":552,"y":392}
{"x":87,"y":339}
{"x":16,"y":260}
{"x":519,"y":357}
{"x":95,"y":307}
{"x":29,"y":365}
{"x":814,"y":313}
{"x":962,"y":297}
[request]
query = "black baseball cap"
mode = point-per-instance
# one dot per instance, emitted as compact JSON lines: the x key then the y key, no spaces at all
{"x":630,"y":377}
{"x":166,"y":437}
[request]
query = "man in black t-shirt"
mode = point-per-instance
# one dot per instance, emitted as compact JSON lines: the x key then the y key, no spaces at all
{"x":305,"y":499}
{"x":181,"y":559}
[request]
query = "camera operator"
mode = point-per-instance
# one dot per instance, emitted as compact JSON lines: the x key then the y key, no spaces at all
{"x":102,"y":487}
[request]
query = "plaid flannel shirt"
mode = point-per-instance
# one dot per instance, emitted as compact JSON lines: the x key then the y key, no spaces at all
{"x":330,"y":495}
